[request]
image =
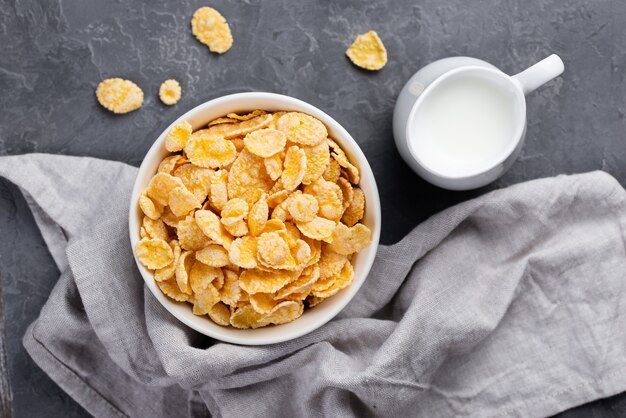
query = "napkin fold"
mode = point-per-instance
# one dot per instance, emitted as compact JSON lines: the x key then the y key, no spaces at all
{"x":512,"y":304}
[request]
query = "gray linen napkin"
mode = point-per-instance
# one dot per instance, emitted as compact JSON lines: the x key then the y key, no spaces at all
{"x":512,"y":304}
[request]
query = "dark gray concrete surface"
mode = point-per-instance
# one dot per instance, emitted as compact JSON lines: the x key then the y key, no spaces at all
{"x":53,"y":53}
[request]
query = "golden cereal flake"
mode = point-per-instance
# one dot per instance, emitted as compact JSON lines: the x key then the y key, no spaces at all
{"x":319,"y":228}
{"x":262,"y":302}
{"x":294,"y":168}
{"x":234,"y":211}
{"x":213,"y":255}
{"x":182,"y":201}
{"x":171,"y":290}
{"x":220,"y":314}
{"x":302,"y":207}
{"x":154,"y":253}
{"x":230,"y":293}
{"x":149,"y":207}
{"x":255,"y":281}
{"x":247,"y":116}
{"x":196,"y":179}
{"x":302,"y":128}
{"x":356,"y":208}
{"x":170,"y":163}
{"x":348,"y":240}
{"x":246,"y":175}
{"x":178,"y":136}
{"x":205,"y":300}
{"x":160,"y":187}
{"x":265,"y":142}
{"x":211,"y":226}
{"x":246,"y":317}
{"x":170,"y":92}
{"x":368,"y":52}
{"x":167,"y":272}
{"x":190,"y":235}
{"x":274,"y":165}
{"x":155,"y":228}
{"x":283,"y":313}
{"x":345,"y":278}
{"x":257,"y":216}
{"x":243,"y":252}
{"x":119,"y":95}
{"x":211,"y":28}
{"x":317,"y":161}
{"x":272,"y":250}
{"x":202,"y":276}
{"x":206,"y":150}
{"x":219,"y":189}
{"x":183,"y":269}
{"x":237,"y":229}
{"x":329,"y":198}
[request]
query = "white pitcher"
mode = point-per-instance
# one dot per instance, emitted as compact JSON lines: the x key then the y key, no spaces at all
{"x":460,"y":122}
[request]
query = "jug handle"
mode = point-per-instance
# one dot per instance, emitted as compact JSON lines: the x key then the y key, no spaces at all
{"x":540,"y":73}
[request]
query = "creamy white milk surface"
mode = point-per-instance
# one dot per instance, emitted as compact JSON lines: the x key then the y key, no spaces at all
{"x":464,"y":125}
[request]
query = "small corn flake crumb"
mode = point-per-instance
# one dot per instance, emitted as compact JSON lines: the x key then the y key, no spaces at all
{"x":368,"y":52}
{"x":211,"y":28}
{"x":170,"y":92}
{"x":119,"y":95}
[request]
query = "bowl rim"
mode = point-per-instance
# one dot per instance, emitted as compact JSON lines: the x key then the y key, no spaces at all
{"x":227,"y":334}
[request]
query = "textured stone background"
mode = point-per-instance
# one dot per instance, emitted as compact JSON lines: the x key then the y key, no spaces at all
{"x":53,"y":53}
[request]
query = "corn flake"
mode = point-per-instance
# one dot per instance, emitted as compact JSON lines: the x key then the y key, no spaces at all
{"x":211,"y":226}
{"x":155,"y":228}
{"x":284,"y":312}
{"x":202,"y":276}
{"x":234,"y":211}
{"x":356,"y":208}
{"x":119,"y":95}
{"x":246,"y":175}
{"x":205,"y":300}
{"x":149,"y":207}
{"x":170,"y":92}
{"x":255,"y":281}
{"x":302,"y":128}
{"x":302,"y":207}
{"x":319,"y":228}
{"x":317,"y":161}
{"x":265,"y":143}
{"x":237,"y":229}
{"x":243,"y":252}
{"x":206,"y":150}
{"x":183,"y":269}
{"x":346,"y":240}
{"x":182,"y":201}
{"x":154,"y":253}
{"x":220,"y":314}
{"x":190,"y":234}
{"x":230,"y":293}
{"x":294,"y":168}
{"x":246,"y":317}
{"x":160,"y":187}
{"x":211,"y":28}
{"x":274,"y":165}
{"x":213,"y":255}
{"x":257,"y":216}
{"x":262,"y":302}
{"x":329,"y":198}
{"x":247,"y":116}
{"x":170,"y":163}
{"x":171,"y":290}
{"x":368,"y":52}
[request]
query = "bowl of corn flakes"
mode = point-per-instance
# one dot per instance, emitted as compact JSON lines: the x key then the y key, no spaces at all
{"x":255,"y":218}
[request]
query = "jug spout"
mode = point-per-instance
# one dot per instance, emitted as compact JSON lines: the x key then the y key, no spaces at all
{"x":540,"y":73}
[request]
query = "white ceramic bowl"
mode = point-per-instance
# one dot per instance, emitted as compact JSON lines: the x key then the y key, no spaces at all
{"x":312,"y":318}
